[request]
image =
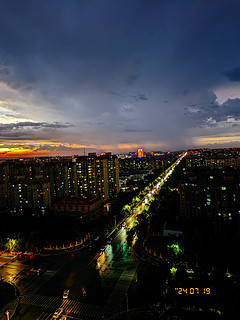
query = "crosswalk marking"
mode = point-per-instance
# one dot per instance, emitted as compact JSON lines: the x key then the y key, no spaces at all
{"x":44,"y":316}
{"x":115,"y":300}
{"x":33,"y":285}
{"x":70,"y":306}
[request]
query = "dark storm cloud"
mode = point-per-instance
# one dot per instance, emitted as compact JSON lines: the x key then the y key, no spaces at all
{"x":139,"y":96}
{"x":214,"y":113}
{"x":29,"y":130}
{"x":47,"y":147}
{"x":91,"y":123}
{"x":137,"y":130}
{"x":136,"y":97}
{"x":100,"y":63}
{"x":72,"y":35}
{"x":74,"y":49}
{"x":131,"y":79}
{"x":233,"y":74}
{"x":10,"y":126}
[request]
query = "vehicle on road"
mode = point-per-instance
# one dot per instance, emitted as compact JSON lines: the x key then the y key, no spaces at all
{"x":84,"y":293}
{"x":57,"y":313}
{"x":35,"y":270}
{"x":65,"y":294}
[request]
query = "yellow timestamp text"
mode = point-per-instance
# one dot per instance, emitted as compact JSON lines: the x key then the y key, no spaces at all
{"x":193,"y":290}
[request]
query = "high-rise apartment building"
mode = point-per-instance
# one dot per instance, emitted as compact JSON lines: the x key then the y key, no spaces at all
{"x":23,"y":170}
{"x":23,"y":194}
{"x":112,"y":174}
{"x":3,"y":185}
{"x":3,"y":194}
{"x":33,"y":184}
{"x":98,"y":175}
{"x":216,"y":158}
{"x":210,"y":193}
{"x":86,"y":176}
{"x":56,"y":171}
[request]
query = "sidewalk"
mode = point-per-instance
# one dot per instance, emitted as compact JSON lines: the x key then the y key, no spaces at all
{"x":6,"y":258}
{"x":64,"y":249}
{"x":11,"y":307}
{"x":144,"y":255}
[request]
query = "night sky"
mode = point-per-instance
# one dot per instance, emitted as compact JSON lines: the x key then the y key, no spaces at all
{"x":117,"y":75}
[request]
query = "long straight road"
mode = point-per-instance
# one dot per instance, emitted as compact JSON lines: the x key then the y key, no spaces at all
{"x":157,"y":185}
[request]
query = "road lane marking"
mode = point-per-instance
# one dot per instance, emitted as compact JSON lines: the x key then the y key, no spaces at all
{"x":70,"y":306}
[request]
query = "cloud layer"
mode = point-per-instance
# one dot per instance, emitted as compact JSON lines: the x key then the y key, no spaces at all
{"x":119,"y":74}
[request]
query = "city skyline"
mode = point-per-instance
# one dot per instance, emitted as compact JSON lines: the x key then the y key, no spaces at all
{"x":79,"y":77}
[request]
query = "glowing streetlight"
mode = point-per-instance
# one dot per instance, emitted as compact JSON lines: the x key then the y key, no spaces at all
{"x":7,"y":313}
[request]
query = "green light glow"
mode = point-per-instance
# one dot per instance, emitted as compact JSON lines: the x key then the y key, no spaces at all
{"x":173,"y":271}
{"x":176,"y":249}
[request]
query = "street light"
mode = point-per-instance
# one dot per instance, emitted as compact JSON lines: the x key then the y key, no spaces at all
{"x":7,"y":313}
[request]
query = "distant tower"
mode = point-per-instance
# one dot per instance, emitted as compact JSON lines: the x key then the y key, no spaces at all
{"x":140,"y":153}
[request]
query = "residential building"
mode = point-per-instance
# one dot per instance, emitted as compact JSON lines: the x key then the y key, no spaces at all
{"x":33,"y":194}
{"x":37,"y":183}
{"x":210,"y":193}
{"x":89,"y":207}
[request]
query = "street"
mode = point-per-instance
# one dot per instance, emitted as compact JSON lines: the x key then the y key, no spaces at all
{"x":94,"y":270}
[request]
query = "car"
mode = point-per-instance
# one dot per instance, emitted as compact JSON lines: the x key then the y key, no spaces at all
{"x":102,"y":248}
{"x":190,"y":271}
{"x":65,"y":294}
{"x":63,"y":318}
{"x":57,"y":313}
{"x":35,"y":270}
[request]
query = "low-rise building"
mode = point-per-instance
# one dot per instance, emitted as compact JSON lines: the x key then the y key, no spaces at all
{"x":89,"y":207}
